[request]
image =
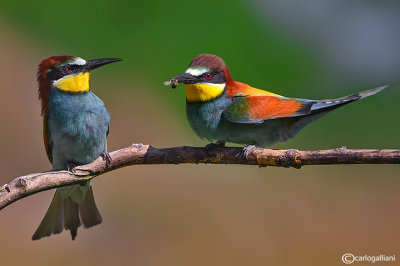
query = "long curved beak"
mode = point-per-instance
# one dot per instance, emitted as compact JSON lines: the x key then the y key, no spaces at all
{"x":95,"y":63}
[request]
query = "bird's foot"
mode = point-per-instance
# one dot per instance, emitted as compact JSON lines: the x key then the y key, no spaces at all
{"x":106,"y":157}
{"x":244,"y":153}
{"x":71,"y":167}
{"x":217,"y":144}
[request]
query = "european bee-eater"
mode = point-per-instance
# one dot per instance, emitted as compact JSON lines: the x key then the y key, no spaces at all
{"x":75,"y":128}
{"x":221,"y":109}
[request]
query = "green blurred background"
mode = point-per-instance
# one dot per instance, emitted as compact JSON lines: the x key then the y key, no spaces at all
{"x":209,"y":214}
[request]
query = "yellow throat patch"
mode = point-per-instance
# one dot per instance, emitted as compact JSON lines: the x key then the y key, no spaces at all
{"x":74,"y":83}
{"x":203,"y":92}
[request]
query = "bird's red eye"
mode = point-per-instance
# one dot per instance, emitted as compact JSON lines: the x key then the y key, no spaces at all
{"x":208,"y":76}
{"x":68,"y":69}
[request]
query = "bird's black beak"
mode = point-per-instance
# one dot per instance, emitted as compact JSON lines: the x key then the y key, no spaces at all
{"x":181,"y":78}
{"x":185,"y":78}
{"x":95,"y":63}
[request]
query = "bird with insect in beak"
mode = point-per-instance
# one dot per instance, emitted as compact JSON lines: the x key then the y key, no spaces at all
{"x":220,"y":109}
{"x":75,"y":128}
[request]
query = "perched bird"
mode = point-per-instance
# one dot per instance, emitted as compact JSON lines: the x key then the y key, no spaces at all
{"x":221,"y":109}
{"x":75,"y":129}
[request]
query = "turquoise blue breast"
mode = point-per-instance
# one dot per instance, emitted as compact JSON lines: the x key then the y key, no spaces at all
{"x":77,"y":125}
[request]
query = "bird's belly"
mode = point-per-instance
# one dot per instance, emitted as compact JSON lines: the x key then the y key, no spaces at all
{"x":204,"y":119}
{"x":208,"y":122}
{"x":199,"y":126}
{"x":77,"y":140}
{"x":81,"y":148}
{"x":263,"y":134}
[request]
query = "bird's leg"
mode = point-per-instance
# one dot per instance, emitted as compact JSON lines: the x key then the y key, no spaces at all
{"x":217,"y":144}
{"x":105,"y":155}
{"x":244,"y":153}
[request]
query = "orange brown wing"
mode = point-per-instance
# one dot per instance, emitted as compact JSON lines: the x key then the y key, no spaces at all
{"x":47,"y":139}
{"x":255,"y":109}
{"x":236,"y":88}
{"x":251,"y":105}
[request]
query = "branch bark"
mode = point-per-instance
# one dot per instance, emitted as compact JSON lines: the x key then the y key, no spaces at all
{"x":24,"y":186}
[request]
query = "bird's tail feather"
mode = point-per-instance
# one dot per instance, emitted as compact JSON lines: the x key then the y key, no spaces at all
{"x":71,"y":217}
{"x":88,"y":211}
{"x":330,"y":104}
{"x":322,"y":107}
{"x":67,"y":214}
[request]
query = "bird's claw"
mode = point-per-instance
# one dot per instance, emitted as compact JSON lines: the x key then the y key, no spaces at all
{"x":71,"y":167}
{"x":106,"y":157}
{"x":244,"y":153}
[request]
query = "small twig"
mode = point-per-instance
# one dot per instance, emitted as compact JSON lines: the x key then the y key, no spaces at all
{"x":27,"y":185}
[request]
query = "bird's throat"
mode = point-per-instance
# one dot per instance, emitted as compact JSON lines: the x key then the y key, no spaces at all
{"x":203,"y":92}
{"x":74,"y":83}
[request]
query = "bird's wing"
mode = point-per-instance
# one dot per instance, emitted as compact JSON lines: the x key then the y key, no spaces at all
{"x":256,"y":109}
{"x":241,"y":89}
{"x":47,"y":138}
{"x":251,"y":105}
{"x":250,"y":108}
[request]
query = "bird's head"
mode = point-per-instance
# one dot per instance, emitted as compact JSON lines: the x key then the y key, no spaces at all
{"x":66,"y":73}
{"x":205,"y":78}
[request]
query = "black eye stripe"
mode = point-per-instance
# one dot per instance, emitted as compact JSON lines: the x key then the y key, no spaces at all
{"x":69,"y":69}
{"x":73,"y":67}
{"x":54,"y":74}
{"x":215,"y":77}
{"x":60,"y":71}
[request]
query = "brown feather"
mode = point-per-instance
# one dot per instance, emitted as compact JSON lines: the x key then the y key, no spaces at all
{"x":214,"y":63}
{"x":46,"y":139}
{"x":43,"y":82}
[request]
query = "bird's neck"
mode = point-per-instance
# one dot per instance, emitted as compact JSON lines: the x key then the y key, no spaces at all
{"x":203,"y":92}
{"x":74,"y":83}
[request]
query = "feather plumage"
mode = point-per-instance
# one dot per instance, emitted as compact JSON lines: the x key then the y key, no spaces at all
{"x":244,"y":114}
{"x":75,"y":129}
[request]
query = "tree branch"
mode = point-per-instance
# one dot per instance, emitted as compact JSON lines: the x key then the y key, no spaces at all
{"x":27,"y":185}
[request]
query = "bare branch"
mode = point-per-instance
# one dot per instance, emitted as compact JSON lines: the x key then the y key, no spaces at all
{"x":27,"y":185}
